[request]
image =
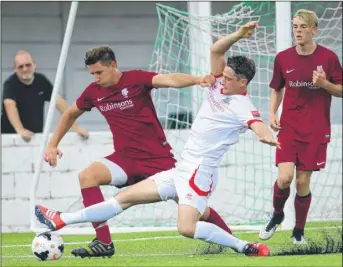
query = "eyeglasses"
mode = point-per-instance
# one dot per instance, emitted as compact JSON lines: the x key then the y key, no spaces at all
{"x":27,"y":65}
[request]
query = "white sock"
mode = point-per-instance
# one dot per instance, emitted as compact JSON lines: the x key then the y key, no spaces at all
{"x":96,"y":213}
{"x":212,"y":233}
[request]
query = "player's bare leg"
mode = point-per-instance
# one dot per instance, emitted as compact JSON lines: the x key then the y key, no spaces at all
{"x":211,"y":216}
{"x":280,"y":196}
{"x":302,"y":204}
{"x":141,"y":193}
{"x":190,"y":226}
{"x":94,"y":175}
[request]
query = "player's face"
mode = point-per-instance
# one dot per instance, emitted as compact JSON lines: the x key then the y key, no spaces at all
{"x":103,"y":74}
{"x":232,"y":85}
{"x":303,"y":33}
{"x":24,"y":67}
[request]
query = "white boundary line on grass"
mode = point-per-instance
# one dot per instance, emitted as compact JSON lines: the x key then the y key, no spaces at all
{"x":116,"y":255}
{"x":152,"y":238}
{"x":114,"y":241}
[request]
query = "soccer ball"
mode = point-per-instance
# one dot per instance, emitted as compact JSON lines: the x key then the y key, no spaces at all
{"x":47,"y":246}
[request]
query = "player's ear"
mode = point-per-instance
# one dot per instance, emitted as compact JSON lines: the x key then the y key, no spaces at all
{"x":314,"y":31}
{"x":114,"y":64}
{"x":244,"y":82}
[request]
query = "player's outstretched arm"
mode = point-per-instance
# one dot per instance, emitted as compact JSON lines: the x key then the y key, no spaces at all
{"x":219,"y":48}
{"x":67,"y":120}
{"x":264,"y":134}
{"x":180,"y":80}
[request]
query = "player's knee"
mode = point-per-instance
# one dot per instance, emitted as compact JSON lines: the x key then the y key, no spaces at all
{"x":86,"y":179}
{"x":186,"y":230}
{"x":285,"y":180}
{"x":302,"y":184}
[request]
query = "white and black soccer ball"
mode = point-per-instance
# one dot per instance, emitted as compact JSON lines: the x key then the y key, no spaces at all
{"x":47,"y":246}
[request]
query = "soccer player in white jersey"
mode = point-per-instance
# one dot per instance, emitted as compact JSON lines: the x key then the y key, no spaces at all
{"x":226,"y":112}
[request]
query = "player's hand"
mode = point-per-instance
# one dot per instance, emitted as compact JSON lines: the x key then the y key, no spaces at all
{"x":207,"y":80}
{"x":319,"y":78}
{"x":270,"y":141}
{"x":26,"y":134}
{"x":274,"y":122}
{"x":83,"y":133}
{"x":51,"y":154}
{"x":247,"y":30}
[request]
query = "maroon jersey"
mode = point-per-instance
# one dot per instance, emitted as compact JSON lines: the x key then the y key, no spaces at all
{"x":306,"y":107}
{"x":130,"y":113}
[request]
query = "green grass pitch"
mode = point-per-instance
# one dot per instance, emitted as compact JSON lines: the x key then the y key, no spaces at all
{"x":170,"y":249}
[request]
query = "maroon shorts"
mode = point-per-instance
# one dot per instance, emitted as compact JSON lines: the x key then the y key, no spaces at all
{"x":138,"y":170}
{"x":306,"y":156}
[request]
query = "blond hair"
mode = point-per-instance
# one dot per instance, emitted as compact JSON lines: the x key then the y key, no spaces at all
{"x":309,"y":16}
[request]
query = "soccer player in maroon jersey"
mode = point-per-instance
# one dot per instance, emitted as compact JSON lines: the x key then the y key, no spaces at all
{"x":311,"y":74}
{"x":141,"y":148}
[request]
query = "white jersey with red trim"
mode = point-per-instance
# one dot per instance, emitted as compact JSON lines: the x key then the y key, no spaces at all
{"x":217,"y":125}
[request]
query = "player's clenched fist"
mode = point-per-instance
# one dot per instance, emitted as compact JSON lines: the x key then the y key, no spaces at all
{"x":319,"y":78}
{"x":207,"y":80}
{"x":247,"y":30}
{"x":51,"y":154}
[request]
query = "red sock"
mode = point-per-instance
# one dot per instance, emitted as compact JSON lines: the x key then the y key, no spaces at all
{"x":301,"y":205}
{"x":215,"y":218}
{"x":280,"y":197}
{"x":91,"y":196}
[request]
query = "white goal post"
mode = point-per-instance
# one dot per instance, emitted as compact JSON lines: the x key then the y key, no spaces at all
{"x":57,"y":84}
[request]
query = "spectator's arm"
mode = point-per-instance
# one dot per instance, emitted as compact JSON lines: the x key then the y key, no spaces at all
{"x":13,"y":115}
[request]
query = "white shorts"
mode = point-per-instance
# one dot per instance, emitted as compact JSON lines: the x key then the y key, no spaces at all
{"x":192,"y":183}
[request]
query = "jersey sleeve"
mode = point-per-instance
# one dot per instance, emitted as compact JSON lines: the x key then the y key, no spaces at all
{"x":145,"y":78}
{"x":335,"y":70}
{"x":246,"y":113}
{"x":278,"y":81}
{"x":84,"y":101}
{"x":10,"y":91}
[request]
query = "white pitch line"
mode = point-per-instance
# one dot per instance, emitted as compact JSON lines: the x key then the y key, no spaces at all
{"x":115,"y":241}
{"x":153,"y":238}
{"x":116,"y":255}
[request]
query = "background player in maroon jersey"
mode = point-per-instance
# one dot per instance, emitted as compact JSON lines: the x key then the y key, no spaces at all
{"x":311,"y":74}
{"x":141,"y":148}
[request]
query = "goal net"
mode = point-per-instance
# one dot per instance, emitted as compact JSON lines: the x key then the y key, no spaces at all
{"x":247,"y":173}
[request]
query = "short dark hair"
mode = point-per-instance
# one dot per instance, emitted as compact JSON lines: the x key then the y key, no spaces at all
{"x":103,"y":53}
{"x":242,"y":66}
